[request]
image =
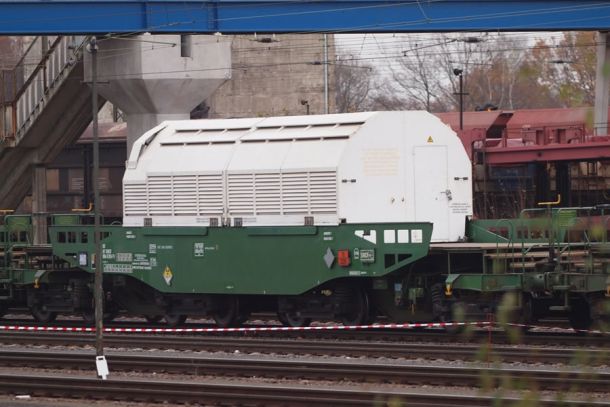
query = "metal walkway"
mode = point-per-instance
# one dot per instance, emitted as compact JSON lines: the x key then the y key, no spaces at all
{"x":48,"y":111}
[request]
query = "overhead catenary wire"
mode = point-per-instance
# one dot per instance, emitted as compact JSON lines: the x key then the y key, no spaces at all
{"x":308,"y":45}
{"x":316,"y":48}
{"x":305,"y":61}
{"x":278,"y":64}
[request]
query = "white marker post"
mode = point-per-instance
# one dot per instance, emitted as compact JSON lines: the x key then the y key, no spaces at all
{"x":102,"y":367}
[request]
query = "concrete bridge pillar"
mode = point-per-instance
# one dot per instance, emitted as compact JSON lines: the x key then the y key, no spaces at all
{"x":152,"y":78}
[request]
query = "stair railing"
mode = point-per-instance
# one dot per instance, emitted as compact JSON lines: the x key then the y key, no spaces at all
{"x":18,"y":114}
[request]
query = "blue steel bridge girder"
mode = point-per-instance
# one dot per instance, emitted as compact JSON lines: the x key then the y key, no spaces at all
{"x":296,"y":16}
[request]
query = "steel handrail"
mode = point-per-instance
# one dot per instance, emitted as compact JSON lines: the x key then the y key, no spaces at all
{"x":40,"y":66}
{"x":35,"y":90}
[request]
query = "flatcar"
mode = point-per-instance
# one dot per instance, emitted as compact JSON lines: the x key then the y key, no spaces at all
{"x":345,"y":217}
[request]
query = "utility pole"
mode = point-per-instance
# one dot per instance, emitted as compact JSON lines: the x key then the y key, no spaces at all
{"x":602,"y":85}
{"x":458,"y":72}
{"x":325,"y":73}
{"x":98,"y":293}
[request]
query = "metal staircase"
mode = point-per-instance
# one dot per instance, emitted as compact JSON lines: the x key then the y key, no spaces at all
{"x":50,"y":110}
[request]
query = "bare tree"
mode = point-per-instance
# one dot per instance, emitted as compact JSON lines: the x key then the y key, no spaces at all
{"x":494,"y":78}
{"x":353,"y":81}
{"x":458,"y":52}
{"x":384,"y":98}
{"x":423,"y":75}
{"x":416,"y":78}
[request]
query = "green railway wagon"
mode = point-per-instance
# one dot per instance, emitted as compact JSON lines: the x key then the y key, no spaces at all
{"x":544,"y":263}
{"x":300,"y":272}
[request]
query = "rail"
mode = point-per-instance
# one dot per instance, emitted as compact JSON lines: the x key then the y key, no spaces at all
{"x":18,"y":114}
{"x":240,"y":392}
{"x":287,"y":345}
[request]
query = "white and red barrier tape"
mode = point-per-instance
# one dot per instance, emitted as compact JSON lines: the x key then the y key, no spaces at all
{"x":488,"y":324}
{"x":244,"y":329}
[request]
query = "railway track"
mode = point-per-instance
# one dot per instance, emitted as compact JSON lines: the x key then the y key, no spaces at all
{"x":303,"y":346}
{"x":174,"y":391}
{"x":326,"y":370}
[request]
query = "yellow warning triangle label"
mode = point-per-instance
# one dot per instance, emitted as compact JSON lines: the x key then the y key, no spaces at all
{"x":168,"y":275}
{"x":430,"y":139}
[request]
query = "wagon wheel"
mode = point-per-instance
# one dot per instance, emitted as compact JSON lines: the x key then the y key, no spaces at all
{"x":357,"y":302}
{"x":227,"y":312}
{"x":172,"y":320}
{"x":41,"y":314}
{"x":293,"y":319}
